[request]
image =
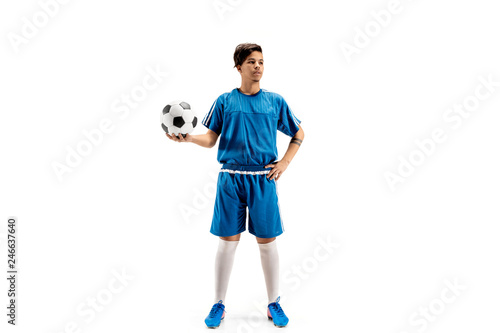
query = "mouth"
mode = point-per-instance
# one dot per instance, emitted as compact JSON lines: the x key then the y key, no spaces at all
{"x":257,"y":73}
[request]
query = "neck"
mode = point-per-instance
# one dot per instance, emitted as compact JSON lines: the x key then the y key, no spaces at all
{"x":250,"y":88}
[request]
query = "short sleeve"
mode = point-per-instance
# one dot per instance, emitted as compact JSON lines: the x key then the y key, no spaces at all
{"x":287,"y":123}
{"x":213,"y":119}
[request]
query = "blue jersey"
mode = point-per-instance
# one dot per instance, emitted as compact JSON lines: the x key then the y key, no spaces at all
{"x":247,"y":126}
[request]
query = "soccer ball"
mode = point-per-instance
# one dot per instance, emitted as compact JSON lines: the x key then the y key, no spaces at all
{"x":178,"y":118}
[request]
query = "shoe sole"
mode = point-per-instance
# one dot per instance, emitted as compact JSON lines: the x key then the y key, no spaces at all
{"x":270,"y":318}
{"x":217,"y":325}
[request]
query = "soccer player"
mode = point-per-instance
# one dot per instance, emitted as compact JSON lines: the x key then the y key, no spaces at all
{"x":247,"y":120}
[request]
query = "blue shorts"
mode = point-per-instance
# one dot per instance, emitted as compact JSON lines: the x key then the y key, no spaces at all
{"x":239,"y":187}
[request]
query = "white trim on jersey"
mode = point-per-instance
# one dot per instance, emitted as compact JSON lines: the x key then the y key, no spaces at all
{"x":294,"y":118}
{"x":209,"y":115}
{"x":246,"y":172}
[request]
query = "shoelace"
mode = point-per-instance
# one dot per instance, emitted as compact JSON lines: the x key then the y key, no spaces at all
{"x":277,"y":307}
{"x":215,"y":309}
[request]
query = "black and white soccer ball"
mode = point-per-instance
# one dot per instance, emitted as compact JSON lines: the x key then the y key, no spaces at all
{"x":178,"y":118}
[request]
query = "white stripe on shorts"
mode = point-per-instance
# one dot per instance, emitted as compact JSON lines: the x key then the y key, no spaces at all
{"x":279,"y":208}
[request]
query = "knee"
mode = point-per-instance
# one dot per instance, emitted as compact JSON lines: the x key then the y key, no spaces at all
{"x":231,"y":238}
{"x":265,"y":240}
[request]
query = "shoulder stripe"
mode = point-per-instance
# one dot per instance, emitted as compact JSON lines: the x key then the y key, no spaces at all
{"x":206,"y":120}
{"x":295,"y":119}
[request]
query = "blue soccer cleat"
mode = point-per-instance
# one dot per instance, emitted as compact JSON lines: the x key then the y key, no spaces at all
{"x":275,"y":312}
{"x":216,"y":315}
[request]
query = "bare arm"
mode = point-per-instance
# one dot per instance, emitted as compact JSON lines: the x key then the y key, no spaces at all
{"x":280,"y":167}
{"x":206,"y":140}
{"x":294,"y":145}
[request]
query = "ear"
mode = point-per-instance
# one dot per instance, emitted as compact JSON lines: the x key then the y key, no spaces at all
{"x":238,"y":68}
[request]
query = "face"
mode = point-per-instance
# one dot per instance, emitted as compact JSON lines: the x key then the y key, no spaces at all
{"x":253,"y":67}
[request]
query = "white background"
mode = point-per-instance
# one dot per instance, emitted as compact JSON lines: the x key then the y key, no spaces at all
{"x":118,"y":210}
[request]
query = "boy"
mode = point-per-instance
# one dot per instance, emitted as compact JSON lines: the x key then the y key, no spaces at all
{"x":247,"y":120}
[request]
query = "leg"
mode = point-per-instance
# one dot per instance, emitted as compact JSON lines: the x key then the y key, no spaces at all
{"x":229,"y":219}
{"x":270,"y":265}
{"x":223,"y":265}
{"x":265,"y":221}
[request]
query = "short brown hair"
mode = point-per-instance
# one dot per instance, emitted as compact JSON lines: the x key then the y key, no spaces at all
{"x":243,"y":50}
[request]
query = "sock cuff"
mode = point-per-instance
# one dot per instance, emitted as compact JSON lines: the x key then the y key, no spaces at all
{"x":267,"y":245}
{"x":228,"y":245}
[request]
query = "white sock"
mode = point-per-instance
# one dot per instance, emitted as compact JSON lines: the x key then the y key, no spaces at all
{"x":223,"y":266}
{"x":270,"y":265}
